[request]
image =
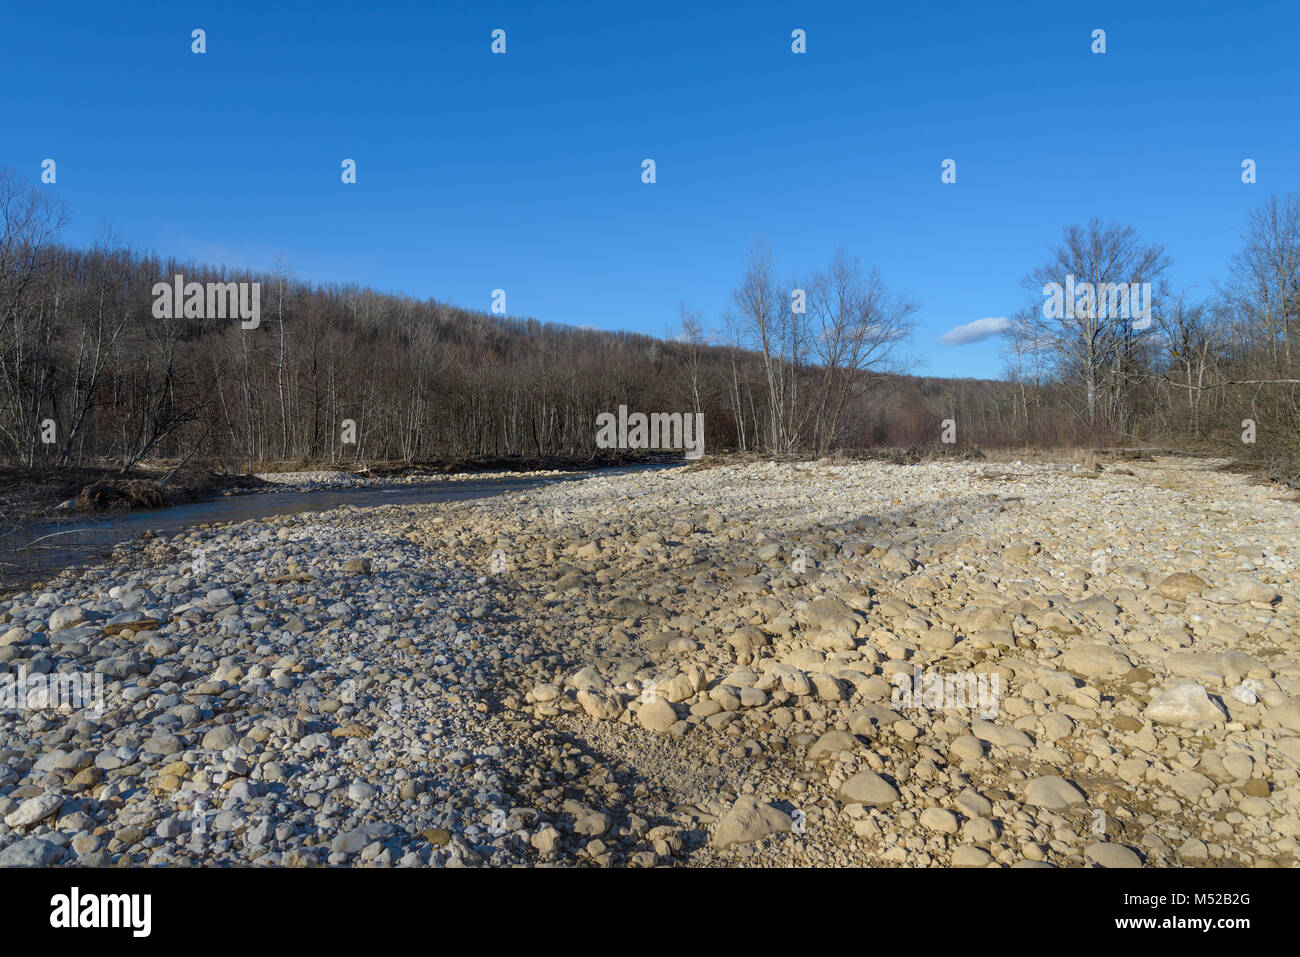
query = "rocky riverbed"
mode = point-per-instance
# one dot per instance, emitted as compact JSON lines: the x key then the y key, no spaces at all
{"x":943,"y":664}
{"x":307,"y":481}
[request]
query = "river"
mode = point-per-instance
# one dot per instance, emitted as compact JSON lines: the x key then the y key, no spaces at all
{"x":36,"y":550}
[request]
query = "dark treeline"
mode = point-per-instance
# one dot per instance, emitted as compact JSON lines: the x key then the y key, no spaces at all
{"x":89,"y":373}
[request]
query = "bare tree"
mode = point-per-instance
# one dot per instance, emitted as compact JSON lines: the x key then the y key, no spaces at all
{"x":29,"y":308}
{"x":856,"y":327}
{"x":780,"y":335}
{"x":1089,"y":331}
{"x":281,"y":279}
{"x":1191,"y":340}
{"x":691,"y":340}
{"x":736,"y":380}
{"x":1265,"y":287}
{"x":1022,"y":354}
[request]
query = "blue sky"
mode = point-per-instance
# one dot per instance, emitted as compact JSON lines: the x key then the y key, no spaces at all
{"x":523,"y":171}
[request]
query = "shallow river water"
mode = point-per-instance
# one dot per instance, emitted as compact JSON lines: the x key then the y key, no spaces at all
{"x":36,"y":550}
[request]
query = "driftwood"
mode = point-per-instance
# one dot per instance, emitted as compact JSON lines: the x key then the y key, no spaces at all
{"x":121,"y":493}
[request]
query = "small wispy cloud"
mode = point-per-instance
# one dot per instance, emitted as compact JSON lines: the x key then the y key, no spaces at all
{"x":976,"y":331}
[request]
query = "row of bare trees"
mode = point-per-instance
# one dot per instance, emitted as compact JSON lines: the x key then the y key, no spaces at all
{"x":1220,"y":370}
{"x":820,"y":343}
{"x":797,"y":365}
{"x":338,"y":373}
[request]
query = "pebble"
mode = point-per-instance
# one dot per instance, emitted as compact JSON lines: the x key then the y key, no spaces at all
{"x":695,"y":667}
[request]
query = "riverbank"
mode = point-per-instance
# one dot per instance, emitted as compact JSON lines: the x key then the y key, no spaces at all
{"x":32,"y":552}
{"x":698,"y":667}
{"x":51,"y":492}
{"x":54,"y":491}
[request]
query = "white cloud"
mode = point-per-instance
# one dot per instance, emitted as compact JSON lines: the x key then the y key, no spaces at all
{"x":976,"y":331}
